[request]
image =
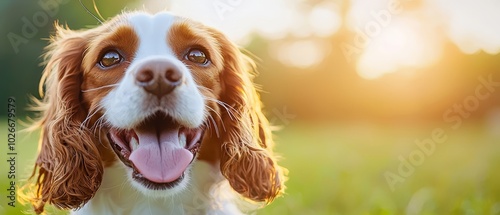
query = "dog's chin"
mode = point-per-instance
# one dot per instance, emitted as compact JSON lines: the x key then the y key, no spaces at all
{"x":148,"y":191}
{"x":157,"y":154}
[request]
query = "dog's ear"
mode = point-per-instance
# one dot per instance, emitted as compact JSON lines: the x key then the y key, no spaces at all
{"x":246,"y":156}
{"x":68,"y":170}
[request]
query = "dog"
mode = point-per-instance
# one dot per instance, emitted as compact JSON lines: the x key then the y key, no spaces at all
{"x":151,"y":113}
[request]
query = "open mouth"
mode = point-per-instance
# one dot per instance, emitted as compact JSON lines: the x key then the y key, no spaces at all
{"x":158,"y":151}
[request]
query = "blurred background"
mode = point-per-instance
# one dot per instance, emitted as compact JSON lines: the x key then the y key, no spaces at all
{"x":386,"y":106}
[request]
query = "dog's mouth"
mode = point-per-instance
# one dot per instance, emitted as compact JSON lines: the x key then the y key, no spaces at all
{"x":159,"y":150}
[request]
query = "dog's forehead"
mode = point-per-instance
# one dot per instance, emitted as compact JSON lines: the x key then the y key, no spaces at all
{"x":145,"y":22}
{"x":152,"y":32}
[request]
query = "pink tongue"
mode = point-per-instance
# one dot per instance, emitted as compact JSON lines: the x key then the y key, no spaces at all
{"x":159,"y":157}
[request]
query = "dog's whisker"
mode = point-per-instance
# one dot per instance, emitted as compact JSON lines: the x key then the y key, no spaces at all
{"x":208,"y":125}
{"x":211,"y":109}
{"x":215,"y":126}
{"x":220,"y":117}
{"x":95,"y":125}
{"x":99,"y":88}
{"x":89,"y":116}
{"x":230,"y":110}
{"x":100,"y":125}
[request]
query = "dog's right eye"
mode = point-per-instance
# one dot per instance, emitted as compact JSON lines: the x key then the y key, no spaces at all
{"x":198,"y":56}
{"x":110,"y":58}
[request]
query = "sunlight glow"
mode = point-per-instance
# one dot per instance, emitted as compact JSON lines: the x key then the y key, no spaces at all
{"x":472,"y":25}
{"x":403,"y":44}
{"x":301,"y":54}
{"x":325,"y":19}
{"x":237,"y":18}
{"x":415,"y":37}
{"x":408,"y":38}
{"x":359,"y":12}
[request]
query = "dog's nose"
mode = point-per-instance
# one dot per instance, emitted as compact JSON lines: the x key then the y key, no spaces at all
{"x":158,"y":76}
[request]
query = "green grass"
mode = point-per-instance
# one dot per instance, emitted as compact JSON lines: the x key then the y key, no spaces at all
{"x":340,"y":170}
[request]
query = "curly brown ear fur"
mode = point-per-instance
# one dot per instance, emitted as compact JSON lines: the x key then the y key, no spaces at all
{"x":246,"y":157}
{"x":69,"y":165}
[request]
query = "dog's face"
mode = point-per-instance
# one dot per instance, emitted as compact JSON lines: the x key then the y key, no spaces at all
{"x":162,"y":76}
{"x":149,"y":92}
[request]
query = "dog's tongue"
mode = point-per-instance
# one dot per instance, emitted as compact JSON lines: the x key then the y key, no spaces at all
{"x":159,"y":157}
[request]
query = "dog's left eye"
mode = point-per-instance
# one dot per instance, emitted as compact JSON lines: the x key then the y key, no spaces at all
{"x":110,"y":58}
{"x":197,"y":56}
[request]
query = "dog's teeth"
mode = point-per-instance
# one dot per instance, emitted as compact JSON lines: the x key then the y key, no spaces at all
{"x":182,"y":140}
{"x":134,"y":144}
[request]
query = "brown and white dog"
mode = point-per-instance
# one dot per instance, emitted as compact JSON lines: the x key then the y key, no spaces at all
{"x":130,"y":104}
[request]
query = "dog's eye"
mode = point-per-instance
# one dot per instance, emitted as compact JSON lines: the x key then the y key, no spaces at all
{"x":197,"y":56}
{"x":110,"y":58}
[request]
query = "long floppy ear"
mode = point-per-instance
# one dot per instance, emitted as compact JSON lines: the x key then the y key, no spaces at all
{"x":69,"y":165}
{"x":246,"y":157}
